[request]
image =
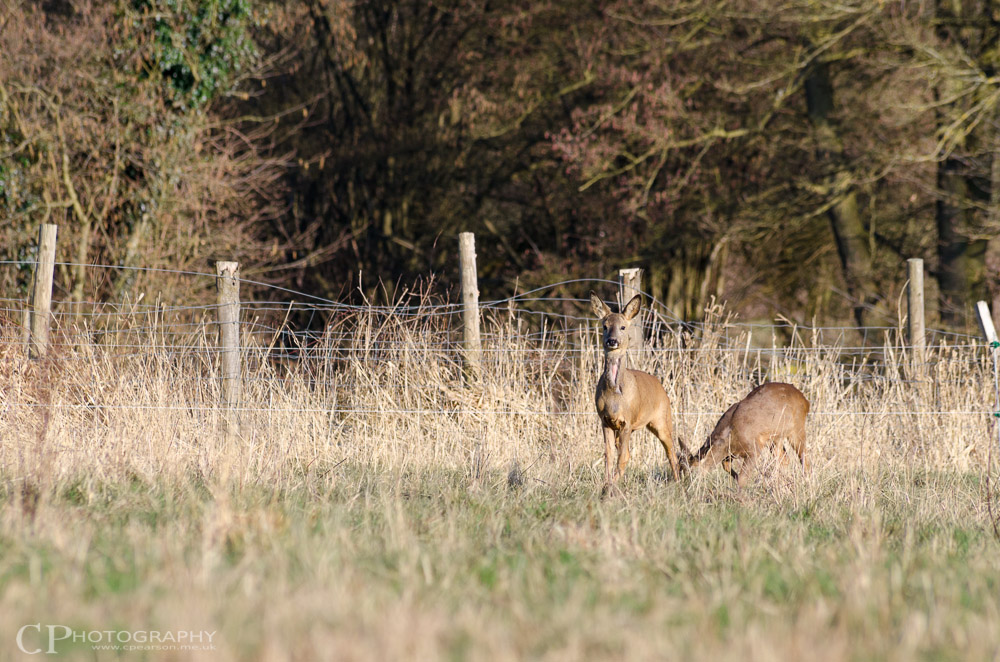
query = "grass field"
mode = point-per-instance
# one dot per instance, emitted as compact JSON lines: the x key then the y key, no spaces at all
{"x":366,"y":510}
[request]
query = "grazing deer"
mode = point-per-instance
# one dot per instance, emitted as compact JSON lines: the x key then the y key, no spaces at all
{"x":771,"y":414}
{"x":628,"y":400}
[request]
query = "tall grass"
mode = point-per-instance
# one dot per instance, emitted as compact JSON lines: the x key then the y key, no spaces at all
{"x":361,"y":503}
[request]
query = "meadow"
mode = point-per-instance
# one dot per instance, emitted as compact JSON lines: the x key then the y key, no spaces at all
{"x":368,"y":502}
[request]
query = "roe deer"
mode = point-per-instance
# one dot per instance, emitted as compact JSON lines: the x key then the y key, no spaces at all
{"x":628,"y":400}
{"x":770,"y":414}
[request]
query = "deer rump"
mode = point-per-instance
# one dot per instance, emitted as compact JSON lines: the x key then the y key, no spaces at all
{"x":770,"y":415}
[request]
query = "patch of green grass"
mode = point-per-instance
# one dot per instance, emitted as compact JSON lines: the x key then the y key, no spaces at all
{"x":373,"y":559}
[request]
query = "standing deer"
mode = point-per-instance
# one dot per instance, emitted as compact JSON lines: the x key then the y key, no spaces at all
{"x":771,"y":414}
{"x":628,"y":400}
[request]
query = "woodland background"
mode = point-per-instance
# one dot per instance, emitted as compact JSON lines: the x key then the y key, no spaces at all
{"x":786,"y":157}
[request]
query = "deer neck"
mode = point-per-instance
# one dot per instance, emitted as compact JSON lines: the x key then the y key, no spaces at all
{"x":614,"y":370}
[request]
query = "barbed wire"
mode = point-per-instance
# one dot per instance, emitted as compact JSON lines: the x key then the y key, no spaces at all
{"x":322,"y":303}
{"x":560,"y":336}
{"x":460,"y":412}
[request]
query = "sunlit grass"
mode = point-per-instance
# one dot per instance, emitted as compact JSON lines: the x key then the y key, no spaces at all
{"x":365,"y":510}
{"x":373,"y":565}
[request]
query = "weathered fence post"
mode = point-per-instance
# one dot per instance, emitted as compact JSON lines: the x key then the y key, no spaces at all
{"x":472,"y":351}
{"x":228,"y":284}
{"x":630,"y":284}
{"x":41,"y":293}
{"x":915,"y":311}
{"x":470,"y":304}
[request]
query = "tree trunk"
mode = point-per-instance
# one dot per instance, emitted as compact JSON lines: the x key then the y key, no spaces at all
{"x":694,"y":274}
{"x":80,"y":268}
{"x":845,"y":218}
{"x":967,"y":176}
{"x":961,"y":260}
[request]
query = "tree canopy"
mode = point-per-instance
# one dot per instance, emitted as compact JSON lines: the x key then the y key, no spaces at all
{"x":787,"y":157}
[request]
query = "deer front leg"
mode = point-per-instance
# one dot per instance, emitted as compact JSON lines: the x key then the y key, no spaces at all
{"x":780,"y":455}
{"x":623,"y":455}
{"x":747,"y":471}
{"x":609,"y":455}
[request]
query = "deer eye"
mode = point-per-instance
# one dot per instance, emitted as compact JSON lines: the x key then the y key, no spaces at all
{"x":623,"y":328}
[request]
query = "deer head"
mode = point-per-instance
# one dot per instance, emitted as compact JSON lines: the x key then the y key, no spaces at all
{"x":615,"y":334}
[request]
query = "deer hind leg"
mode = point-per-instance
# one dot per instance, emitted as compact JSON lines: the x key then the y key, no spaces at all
{"x":799,"y":444}
{"x":663,"y":429}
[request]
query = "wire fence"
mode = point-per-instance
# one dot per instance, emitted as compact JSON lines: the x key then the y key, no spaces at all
{"x":296,"y":338}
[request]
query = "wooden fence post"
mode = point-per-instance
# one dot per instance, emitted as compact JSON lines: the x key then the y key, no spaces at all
{"x":915,"y":310}
{"x":629,"y":285}
{"x":41,"y":294}
{"x":470,"y":304}
{"x":228,"y":311}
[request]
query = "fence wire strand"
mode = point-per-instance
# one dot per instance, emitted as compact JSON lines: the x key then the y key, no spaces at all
{"x":284,"y":342}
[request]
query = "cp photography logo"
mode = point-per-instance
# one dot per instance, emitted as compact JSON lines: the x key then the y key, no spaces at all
{"x":36,"y":638}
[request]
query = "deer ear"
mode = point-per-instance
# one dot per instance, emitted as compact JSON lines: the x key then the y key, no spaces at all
{"x":599,"y":307}
{"x":632,"y":307}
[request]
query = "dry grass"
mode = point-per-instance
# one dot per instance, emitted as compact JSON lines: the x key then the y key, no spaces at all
{"x":360,"y":506}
